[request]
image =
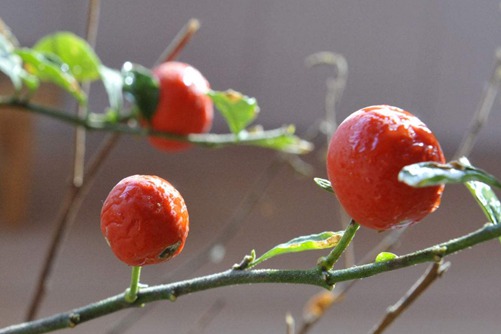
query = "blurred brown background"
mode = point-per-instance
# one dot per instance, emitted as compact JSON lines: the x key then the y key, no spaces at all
{"x":431,"y":58}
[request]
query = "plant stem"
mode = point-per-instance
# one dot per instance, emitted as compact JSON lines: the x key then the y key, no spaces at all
{"x":314,"y":276}
{"x":436,"y":270}
{"x":206,"y":140}
{"x":327,"y":263}
{"x":73,"y":200}
{"x":131,"y":292}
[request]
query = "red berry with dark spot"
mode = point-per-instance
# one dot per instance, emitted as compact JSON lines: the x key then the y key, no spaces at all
{"x":144,"y":220}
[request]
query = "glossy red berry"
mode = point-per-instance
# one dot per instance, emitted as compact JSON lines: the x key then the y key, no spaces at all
{"x":144,"y":220}
{"x":365,"y":155}
{"x":183,"y":107}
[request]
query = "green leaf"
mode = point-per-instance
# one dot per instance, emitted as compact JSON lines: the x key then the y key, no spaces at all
{"x":238,"y":110}
{"x":286,"y":141}
{"x":139,"y":82}
{"x":113,"y":83}
{"x":300,"y":244}
{"x":426,"y":174}
{"x":11,"y":64}
{"x":48,"y":70}
{"x":324,"y":184}
{"x":485,"y":197}
{"x":74,"y":51}
{"x":385,"y":256}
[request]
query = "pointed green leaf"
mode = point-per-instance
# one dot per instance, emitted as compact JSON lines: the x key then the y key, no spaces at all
{"x":238,"y":110}
{"x":324,"y":184}
{"x":11,"y":64}
{"x":285,"y":141}
{"x":113,"y":83}
{"x":426,"y":174}
{"x":300,"y":244}
{"x":74,"y":51}
{"x":143,"y":87}
{"x":49,"y":70}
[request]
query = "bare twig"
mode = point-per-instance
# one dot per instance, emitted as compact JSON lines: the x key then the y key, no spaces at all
{"x":72,"y":199}
{"x":179,"y":42}
{"x":434,"y":271}
{"x":80,"y":132}
{"x":335,"y":88}
{"x":483,"y":110}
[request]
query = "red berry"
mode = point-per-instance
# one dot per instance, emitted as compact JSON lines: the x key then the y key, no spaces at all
{"x":183,"y":105}
{"x":365,"y":155}
{"x":144,"y":220}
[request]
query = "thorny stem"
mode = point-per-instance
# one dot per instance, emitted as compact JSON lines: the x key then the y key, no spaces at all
{"x":436,"y":270}
{"x":313,"y":276}
{"x":326,"y":263}
{"x":77,"y":179}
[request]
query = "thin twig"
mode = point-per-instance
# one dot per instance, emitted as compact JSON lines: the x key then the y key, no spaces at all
{"x":434,"y":271}
{"x":335,"y":85}
{"x":179,"y":42}
{"x":77,"y":181}
{"x":314,"y":276}
{"x":82,"y":109}
{"x":483,"y":110}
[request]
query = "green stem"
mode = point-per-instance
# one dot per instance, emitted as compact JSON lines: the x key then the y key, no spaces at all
{"x":327,"y":263}
{"x":131,"y":292}
{"x":314,"y":276}
{"x":96,"y":122}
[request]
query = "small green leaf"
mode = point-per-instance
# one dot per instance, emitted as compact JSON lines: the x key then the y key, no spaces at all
{"x":74,"y":51}
{"x":47,"y":70}
{"x":139,"y":82}
{"x":385,"y":256}
{"x":238,"y":110}
{"x":426,"y":174}
{"x":286,"y":141}
{"x":11,"y":64}
{"x":324,"y":184}
{"x":300,"y":244}
{"x":113,"y":83}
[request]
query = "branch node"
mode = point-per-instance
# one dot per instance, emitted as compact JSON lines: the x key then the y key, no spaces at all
{"x":73,"y":320}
